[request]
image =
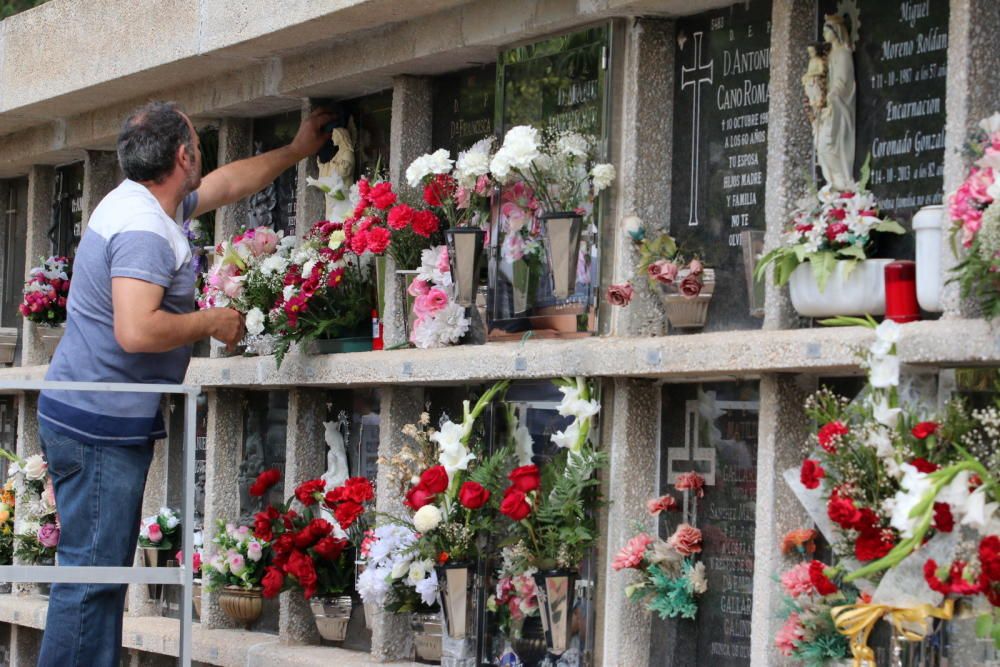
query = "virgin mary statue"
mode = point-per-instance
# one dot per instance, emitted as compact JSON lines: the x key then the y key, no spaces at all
{"x":835,"y":125}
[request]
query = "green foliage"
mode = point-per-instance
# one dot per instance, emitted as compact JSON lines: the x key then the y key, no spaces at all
{"x":979,"y":280}
{"x":11,"y":7}
{"x":671,"y":596}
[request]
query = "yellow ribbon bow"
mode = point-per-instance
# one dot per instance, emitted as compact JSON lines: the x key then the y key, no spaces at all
{"x":856,"y":621}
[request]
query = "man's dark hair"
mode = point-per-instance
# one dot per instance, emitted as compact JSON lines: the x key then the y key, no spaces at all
{"x":149,"y":139}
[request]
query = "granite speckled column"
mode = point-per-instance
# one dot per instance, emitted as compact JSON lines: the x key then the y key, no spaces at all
{"x":784,"y":427}
{"x":633,"y":411}
{"x":27,"y":445}
{"x":305,"y":459}
{"x":25,"y":644}
{"x":235,"y":143}
{"x":644,"y":97}
{"x":223,"y":452}
{"x":973,"y":93}
{"x":789,"y":138}
{"x":410,"y":137}
{"x":391,"y":635}
{"x":41,"y":185}
{"x":100,"y":176}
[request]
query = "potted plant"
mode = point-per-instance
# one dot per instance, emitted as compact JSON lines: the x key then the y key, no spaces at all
{"x":561,"y":171}
{"x":552,"y":515}
{"x":312,"y":553}
{"x":45,"y":294}
{"x":196,"y":560}
{"x":823,"y":255}
{"x":8,"y":344}
{"x":159,"y":537}
{"x":235,"y":568}
{"x":8,"y":503}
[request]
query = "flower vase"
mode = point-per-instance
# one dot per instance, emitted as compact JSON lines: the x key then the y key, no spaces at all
{"x":524,"y":284}
{"x":50,"y":338}
{"x":404,"y":298}
{"x":465,"y":254}
{"x":242,"y":605}
{"x":562,"y":230}
{"x":332,"y":616}
{"x":261,"y":345}
{"x":427,"y":636}
{"x":688,"y":312}
{"x":927,"y":652}
{"x":928,"y":229}
{"x":556,"y":590}
{"x":155,"y":558}
{"x":456,"y":597}
{"x":860,"y":291}
{"x":529,"y":643}
{"x":8,"y":344}
{"x":196,"y":598}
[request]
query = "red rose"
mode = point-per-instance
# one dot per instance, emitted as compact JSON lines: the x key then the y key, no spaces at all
{"x":434,"y":480}
{"x":842,"y":511}
{"x":924,"y":429}
{"x":417,"y":497}
{"x":619,"y":295}
{"x":473,"y":495}
{"x":989,"y":557}
{"x":262,"y":529}
{"x":828,"y":435}
{"x":265,"y":481}
{"x":307,"y":491}
{"x":838,"y":214}
{"x":690,"y":286}
{"x":347,"y":513}
{"x":515,"y":504}
{"x":820,"y":581}
{"x":330,"y":548}
{"x":943,"y":520}
{"x":382,"y":195}
{"x":425,"y":223}
{"x":358,"y":489}
{"x":273,"y":581}
{"x":924,"y":466}
{"x":873,"y":544}
{"x":811,"y":474}
{"x":400,"y":217}
{"x":526,"y":478}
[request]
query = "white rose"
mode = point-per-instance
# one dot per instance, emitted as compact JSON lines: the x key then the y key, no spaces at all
{"x":255,"y":322}
{"x":427,"y":519}
{"x":603,"y":175}
{"x":400,"y":569}
{"x":35,"y":467}
{"x":884,"y":372}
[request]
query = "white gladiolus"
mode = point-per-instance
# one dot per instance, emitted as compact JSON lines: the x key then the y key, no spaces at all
{"x":568,"y":439}
{"x":884,"y":414}
{"x":888,"y":331}
{"x":977,"y":513}
{"x":884,"y":372}
{"x":915,"y":485}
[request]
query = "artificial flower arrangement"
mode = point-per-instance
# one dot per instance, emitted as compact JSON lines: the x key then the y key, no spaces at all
{"x":310,"y":552}
{"x":895,"y":483}
{"x":36,"y":525}
{"x":248,"y":276}
{"x":809,"y":634}
{"x":337,"y":192}
{"x":458,"y":191}
{"x":438,"y":319}
{"x":975,"y":219}
{"x":237,"y":559}
{"x":671,"y":576}
{"x":451,"y":487}
{"x":160,"y":531}
{"x":827,"y":227}
{"x":380,"y":219}
{"x":46,"y":291}
{"x":8,"y":504}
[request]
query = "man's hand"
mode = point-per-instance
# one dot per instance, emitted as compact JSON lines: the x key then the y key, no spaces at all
{"x":311,"y":135}
{"x":227,"y":325}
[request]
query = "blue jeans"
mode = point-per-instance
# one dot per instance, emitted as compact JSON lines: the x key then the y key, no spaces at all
{"x":99,"y":501}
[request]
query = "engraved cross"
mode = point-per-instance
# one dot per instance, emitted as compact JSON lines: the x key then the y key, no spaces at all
{"x":694,"y":76}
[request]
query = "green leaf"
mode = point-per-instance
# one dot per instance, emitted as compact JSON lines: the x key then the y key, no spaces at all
{"x":823,"y":265}
{"x":783,"y":270}
{"x":849,"y":266}
{"x":889,"y":226}
{"x":801,"y":253}
{"x":866,"y":173}
{"x":996,"y":634}
{"x":766,"y":261}
{"x":853,"y":251}
{"x":984,"y":626}
{"x":844,"y":321}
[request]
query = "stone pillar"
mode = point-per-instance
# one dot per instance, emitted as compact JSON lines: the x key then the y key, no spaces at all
{"x":28,"y":444}
{"x":391,"y":635}
{"x":973,"y":85}
{"x":235,"y":143}
{"x":644,"y":156}
{"x":223,"y":451}
{"x":784,"y":426}
{"x":310,"y":203}
{"x":633,"y":413}
{"x":305,"y":459}
{"x":100,"y":176}
{"x":789,"y":137}
{"x":25,"y":645}
{"x":410,"y":137}
{"x":41,"y":184}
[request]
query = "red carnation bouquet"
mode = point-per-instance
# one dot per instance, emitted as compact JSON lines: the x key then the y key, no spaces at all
{"x":46,"y":291}
{"x":384,"y":225}
{"x":312,"y":535}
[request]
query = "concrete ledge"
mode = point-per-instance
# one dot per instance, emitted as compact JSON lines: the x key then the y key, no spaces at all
{"x":227,"y":648}
{"x":822,"y":350}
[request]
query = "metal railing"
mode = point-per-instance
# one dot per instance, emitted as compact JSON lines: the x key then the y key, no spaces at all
{"x":181,"y":576}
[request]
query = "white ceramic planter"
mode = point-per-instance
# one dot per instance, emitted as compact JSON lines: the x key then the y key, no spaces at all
{"x":8,"y":344}
{"x":928,"y":228}
{"x":860,"y":293}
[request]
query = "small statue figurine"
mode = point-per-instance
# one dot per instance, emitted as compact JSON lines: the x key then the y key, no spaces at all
{"x":337,"y":471}
{"x":834,"y":125}
{"x":342,"y":165}
{"x":814,"y":82}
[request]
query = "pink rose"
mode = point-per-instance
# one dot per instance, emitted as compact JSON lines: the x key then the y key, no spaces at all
{"x":463,"y":197}
{"x":696,"y":267}
{"x":430,"y":303}
{"x":48,"y":535}
{"x":691,"y":286}
{"x":620,"y":295}
{"x":483,"y":185}
{"x":686,"y":540}
{"x":264,"y":241}
{"x":418,"y":287}
{"x":155,"y":534}
{"x":443,"y":263}
{"x":663,"y":271}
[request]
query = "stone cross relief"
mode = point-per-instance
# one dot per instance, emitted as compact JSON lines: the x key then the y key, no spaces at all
{"x":693,"y":77}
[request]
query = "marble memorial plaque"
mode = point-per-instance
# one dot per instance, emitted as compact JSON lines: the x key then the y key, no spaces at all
{"x":721,"y":93}
{"x":901,"y":66}
{"x":274,"y":206}
{"x":67,"y":223}
{"x":265,"y":426}
{"x":712,"y":430}
{"x":370,"y":120}
{"x":464,"y":106}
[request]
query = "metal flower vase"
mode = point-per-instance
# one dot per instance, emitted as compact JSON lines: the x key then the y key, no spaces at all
{"x":456,"y":597}
{"x":332,"y":616}
{"x":427,"y":636}
{"x":563,"y":230}
{"x":156,"y":558}
{"x":465,"y":254}
{"x":556,"y":589}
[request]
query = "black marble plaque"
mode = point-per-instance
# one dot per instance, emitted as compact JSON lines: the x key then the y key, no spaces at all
{"x":370,"y":124}
{"x":274,"y":206}
{"x":66,"y":223}
{"x":464,"y":106}
{"x":721,"y":81}
{"x":901,"y":66}
{"x":712,"y":429}
{"x":265,"y":426}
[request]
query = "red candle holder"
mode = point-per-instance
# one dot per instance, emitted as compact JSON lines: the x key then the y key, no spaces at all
{"x":901,"y":292}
